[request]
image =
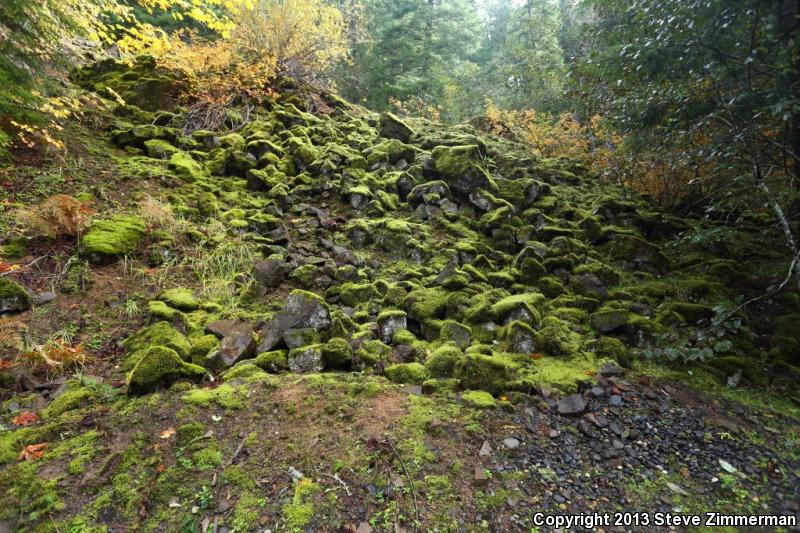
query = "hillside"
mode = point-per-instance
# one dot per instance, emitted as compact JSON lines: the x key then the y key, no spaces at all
{"x":324,"y":318}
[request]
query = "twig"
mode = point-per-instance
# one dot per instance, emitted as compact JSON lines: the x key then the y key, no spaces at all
{"x":26,"y":266}
{"x":341,"y":481}
{"x":773,"y":292}
{"x":410,"y":482}
{"x":238,"y":450}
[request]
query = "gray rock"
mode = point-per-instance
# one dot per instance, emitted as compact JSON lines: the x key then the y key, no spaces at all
{"x":44,"y":297}
{"x":271,"y":272}
{"x":511,"y":443}
{"x":574,"y":404}
{"x":295,"y":338}
{"x":237,"y":345}
{"x":389,"y":323}
{"x":615,"y":400}
{"x":301,"y":311}
{"x":520,"y":338}
{"x":306,"y":359}
{"x":221,"y":328}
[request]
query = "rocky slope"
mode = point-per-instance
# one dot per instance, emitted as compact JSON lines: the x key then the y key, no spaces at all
{"x":311,"y":321}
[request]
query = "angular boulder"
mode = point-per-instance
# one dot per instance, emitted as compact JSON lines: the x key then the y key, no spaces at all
{"x":13,"y":297}
{"x":302,"y":310}
{"x":392,"y":127}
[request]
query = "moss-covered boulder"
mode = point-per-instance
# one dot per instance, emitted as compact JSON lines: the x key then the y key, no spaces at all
{"x":159,"y":334}
{"x":442,"y":362}
{"x":185,"y":167}
{"x":492,"y":373}
{"x":392,"y":127}
{"x":274,"y":361}
{"x":412,"y":373}
{"x":179,"y":298}
{"x":461,"y":167}
{"x":160,"y":366}
{"x":478,"y":399}
{"x":108,"y":240}
{"x":13,"y":297}
{"x":337,"y":353}
{"x":555,"y":337}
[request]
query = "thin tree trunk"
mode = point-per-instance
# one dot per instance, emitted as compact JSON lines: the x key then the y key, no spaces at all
{"x":784,"y":222}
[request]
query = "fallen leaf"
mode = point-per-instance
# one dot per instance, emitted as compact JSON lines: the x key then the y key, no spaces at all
{"x":23,"y":419}
{"x":32,"y":452}
{"x":677,"y":489}
{"x":167,"y":433}
{"x":161,"y":467}
{"x":537,"y":356}
{"x":727,"y":466}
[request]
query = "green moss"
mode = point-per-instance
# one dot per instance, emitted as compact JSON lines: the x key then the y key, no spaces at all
{"x":426,"y":303}
{"x":160,"y":310}
{"x":555,"y":337}
{"x":462,"y":168}
{"x":179,"y":298}
{"x":611,"y":348}
{"x":483,"y":372}
{"x":564,"y":374}
{"x":441,"y":363}
{"x":403,"y":336}
{"x":275,"y":361}
{"x":413,"y":373}
{"x":13,"y":297}
{"x":186,"y":168}
{"x":299,"y":512}
{"x":226,"y":396}
{"x":440,"y":386}
{"x":202,"y":347}
{"x":160,"y":365}
{"x":70,"y":399}
{"x":244,"y":370}
{"x":159,"y":149}
{"x":478,"y":399}
{"x":15,"y":248}
{"x":337,"y":353}
{"x":355,"y":293}
{"x":245,"y":514}
{"x":189,"y":433}
{"x":159,"y":334}
{"x":524,"y":307}
{"x":208,"y":458}
{"x":693,"y":313}
{"x":107,"y":240}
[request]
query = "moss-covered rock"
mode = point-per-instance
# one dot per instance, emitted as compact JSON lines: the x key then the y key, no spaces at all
{"x":187,"y":168}
{"x":491,"y":373}
{"x":159,"y":334}
{"x":479,"y":399}
{"x":108,"y":240}
{"x":392,"y":127}
{"x":179,"y":298}
{"x":555,"y":337}
{"x":337,"y":353}
{"x":462,"y":168}
{"x":274,"y":361}
{"x":159,"y":366}
{"x":413,"y":373}
{"x":13,"y":297}
{"x":442,"y":362}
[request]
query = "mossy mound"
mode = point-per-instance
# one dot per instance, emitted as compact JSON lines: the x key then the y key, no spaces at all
{"x":13,"y":297}
{"x":158,"y":366}
{"x":108,"y":240}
